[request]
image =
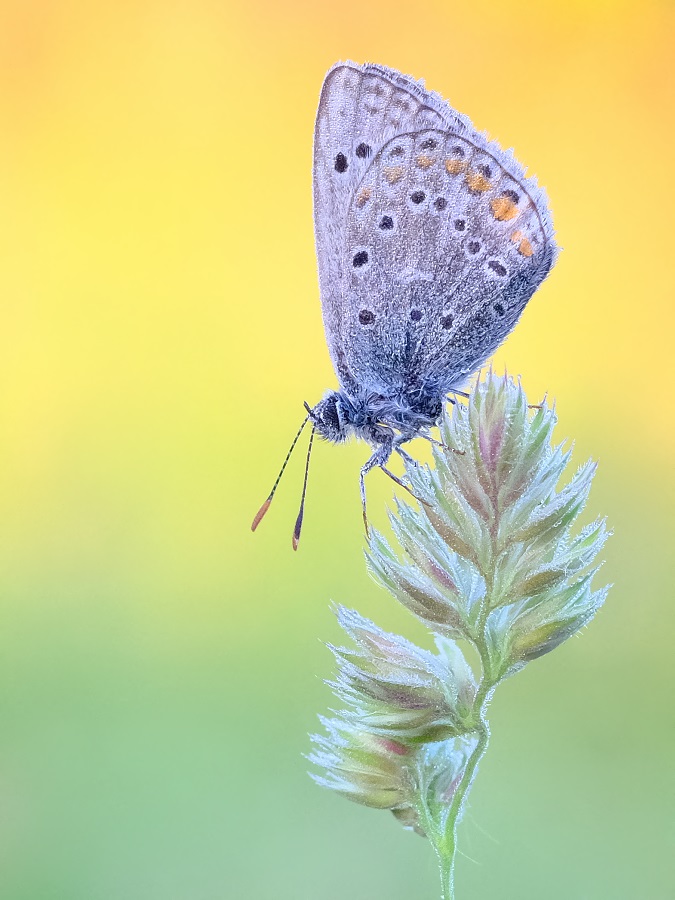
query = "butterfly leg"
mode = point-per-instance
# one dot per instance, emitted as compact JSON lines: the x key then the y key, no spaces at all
{"x":409,"y":460}
{"x":368,"y":465}
{"x":442,"y":445}
{"x":406,"y":457}
{"x":379,"y":458}
{"x":403,"y":484}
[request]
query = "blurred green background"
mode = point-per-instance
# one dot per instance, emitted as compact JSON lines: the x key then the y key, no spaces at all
{"x":160,"y":667}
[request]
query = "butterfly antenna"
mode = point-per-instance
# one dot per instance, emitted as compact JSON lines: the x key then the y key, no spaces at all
{"x":298,"y":521}
{"x":266,"y":505}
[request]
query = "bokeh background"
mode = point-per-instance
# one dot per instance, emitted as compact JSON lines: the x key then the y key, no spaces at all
{"x":160,"y":326}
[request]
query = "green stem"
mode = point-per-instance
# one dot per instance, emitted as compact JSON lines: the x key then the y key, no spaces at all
{"x":447,"y":846}
{"x":446,"y":864}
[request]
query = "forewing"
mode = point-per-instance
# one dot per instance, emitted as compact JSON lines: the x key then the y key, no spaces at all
{"x":360,"y":109}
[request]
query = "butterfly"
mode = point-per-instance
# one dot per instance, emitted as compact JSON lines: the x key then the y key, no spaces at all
{"x":430,"y":241}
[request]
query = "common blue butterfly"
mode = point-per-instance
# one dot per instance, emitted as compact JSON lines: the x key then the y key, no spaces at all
{"x":430,"y":241}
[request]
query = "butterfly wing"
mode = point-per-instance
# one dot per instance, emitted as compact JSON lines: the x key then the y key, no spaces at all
{"x":430,"y":239}
{"x":360,"y":109}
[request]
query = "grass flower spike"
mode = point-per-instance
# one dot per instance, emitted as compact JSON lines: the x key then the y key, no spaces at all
{"x":490,"y":562}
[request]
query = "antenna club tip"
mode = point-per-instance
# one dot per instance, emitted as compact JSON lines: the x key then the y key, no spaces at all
{"x":260,"y":514}
{"x":297,"y":530}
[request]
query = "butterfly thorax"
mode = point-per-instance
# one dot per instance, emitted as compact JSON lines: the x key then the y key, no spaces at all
{"x":374,"y":417}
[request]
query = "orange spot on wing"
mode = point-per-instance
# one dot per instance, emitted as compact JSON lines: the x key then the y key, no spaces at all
{"x":454,"y":166}
{"x":393,"y":173}
{"x":477,"y":182}
{"x":524,"y":246}
{"x":363,"y":196}
{"x":503,"y":209}
{"x":424,"y":161}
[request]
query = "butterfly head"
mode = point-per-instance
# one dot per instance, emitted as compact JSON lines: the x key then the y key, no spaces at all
{"x":332,"y":418}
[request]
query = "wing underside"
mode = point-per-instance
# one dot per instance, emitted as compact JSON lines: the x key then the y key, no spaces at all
{"x":430,"y":239}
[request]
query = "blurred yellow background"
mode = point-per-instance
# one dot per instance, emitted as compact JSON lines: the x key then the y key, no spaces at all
{"x":160,"y":667}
